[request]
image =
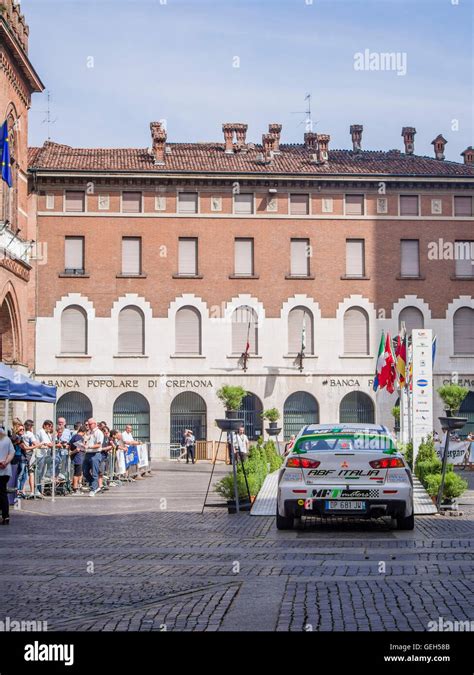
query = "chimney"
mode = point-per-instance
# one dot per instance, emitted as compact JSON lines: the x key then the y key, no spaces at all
{"x":408,"y":134}
{"x":356,"y":134}
{"x":275,"y":130}
{"x":439,"y":143}
{"x":228,"y":129}
{"x":158,"y":137}
{"x":468,"y":155}
{"x":240,"y":132}
{"x":323,"y":151}
{"x":268,"y":143}
{"x":310,"y":140}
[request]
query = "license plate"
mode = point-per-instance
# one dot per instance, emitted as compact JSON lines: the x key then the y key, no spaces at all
{"x":345,"y":505}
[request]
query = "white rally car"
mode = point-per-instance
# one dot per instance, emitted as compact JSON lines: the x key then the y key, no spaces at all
{"x":350,"y":470}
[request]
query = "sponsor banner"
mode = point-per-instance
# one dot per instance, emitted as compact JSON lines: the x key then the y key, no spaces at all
{"x":459,"y":452}
{"x":142,"y":456}
{"x":131,"y":456}
{"x":120,"y":467}
{"x":422,"y":401}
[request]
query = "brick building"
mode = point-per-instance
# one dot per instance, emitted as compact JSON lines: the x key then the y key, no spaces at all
{"x":18,"y":81}
{"x":163,"y":261}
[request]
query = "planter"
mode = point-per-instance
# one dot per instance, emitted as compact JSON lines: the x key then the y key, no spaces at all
{"x":273,"y":431}
{"x":273,"y":425}
{"x":452,"y":422}
{"x":229,"y":424}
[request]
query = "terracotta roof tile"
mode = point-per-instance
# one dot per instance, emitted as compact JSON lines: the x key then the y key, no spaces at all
{"x":210,"y":157}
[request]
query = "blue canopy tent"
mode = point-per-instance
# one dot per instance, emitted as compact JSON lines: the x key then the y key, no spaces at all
{"x":14,"y":386}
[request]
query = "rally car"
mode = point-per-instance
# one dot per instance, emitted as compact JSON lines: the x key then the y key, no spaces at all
{"x":350,"y":470}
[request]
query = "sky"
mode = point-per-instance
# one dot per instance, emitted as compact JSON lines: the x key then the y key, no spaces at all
{"x":113,"y":66}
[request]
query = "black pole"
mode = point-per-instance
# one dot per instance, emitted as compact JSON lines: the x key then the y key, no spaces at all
{"x":245,"y":474}
{"x":443,"y":471}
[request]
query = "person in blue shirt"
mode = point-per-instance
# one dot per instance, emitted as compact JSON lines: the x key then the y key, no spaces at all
{"x":77,"y":452}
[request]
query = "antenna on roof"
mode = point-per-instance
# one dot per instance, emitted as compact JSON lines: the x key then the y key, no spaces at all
{"x":308,"y":121}
{"x":47,"y":120}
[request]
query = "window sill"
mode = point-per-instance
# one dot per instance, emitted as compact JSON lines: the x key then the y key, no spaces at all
{"x":63,"y":275}
{"x":130,"y":356}
{"x":309,"y":277}
{"x":73,"y":356}
{"x":244,"y":276}
{"x":187,"y":276}
{"x":418,"y":278}
{"x":187,"y":356}
{"x":347,"y":277}
{"x":462,"y":356}
{"x":131,"y":276}
{"x":355,"y":356}
{"x":466,"y":278}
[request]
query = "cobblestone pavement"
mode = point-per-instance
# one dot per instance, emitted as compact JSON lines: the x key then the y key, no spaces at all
{"x":143,"y":557}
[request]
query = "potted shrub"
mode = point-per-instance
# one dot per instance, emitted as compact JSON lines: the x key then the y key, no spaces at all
{"x":454,"y":486}
{"x":272,"y":416}
{"x":232,"y":397}
{"x":452,"y":396}
{"x":396,"y":416}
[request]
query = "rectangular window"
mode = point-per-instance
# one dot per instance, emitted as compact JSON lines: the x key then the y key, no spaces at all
{"x":243,"y":257}
{"x":104,"y":202}
{"x":463,"y":206}
{"x":464,"y":254}
{"x":187,"y":202}
{"x":131,"y":256}
{"x":74,"y":255}
{"x":354,"y":205}
{"x":243,"y":203}
{"x":409,"y":205}
{"x":75,"y":200}
{"x":299,"y":205}
{"x":355,"y":258}
{"x":50,"y":201}
{"x":300,"y":252}
{"x":410,"y":258}
{"x":131,"y":202}
{"x":188,"y":256}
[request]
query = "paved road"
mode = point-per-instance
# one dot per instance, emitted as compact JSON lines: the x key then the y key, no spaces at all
{"x":128,"y":560}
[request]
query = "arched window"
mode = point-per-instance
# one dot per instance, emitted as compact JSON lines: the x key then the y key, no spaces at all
{"x":357,"y":408}
{"x":188,"y":411}
{"x":10,"y":346}
{"x":300,"y":409}
{"x":356,"y":331}
{"x":412,"y":317}
{"x":74,"y":407}
{"x":463,"y":324}
{"x":131,"y":331}
{"x":300,"y":329}
{"x":244,"y":327}
{"x":251,"y":412}
{"x":467,"y":410}
{"x":188,"y":331}
{"x":132,"y":408}
{"x":73,"y":330}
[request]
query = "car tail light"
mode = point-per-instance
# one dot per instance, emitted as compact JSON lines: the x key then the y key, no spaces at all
{"x":302,"y":463}
{"x":387,"y":463}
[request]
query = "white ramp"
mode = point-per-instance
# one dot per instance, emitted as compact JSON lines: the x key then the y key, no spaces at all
{"x":265,"y":504}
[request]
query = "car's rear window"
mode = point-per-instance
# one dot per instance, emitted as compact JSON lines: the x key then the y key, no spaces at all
{"x":345,"y":443}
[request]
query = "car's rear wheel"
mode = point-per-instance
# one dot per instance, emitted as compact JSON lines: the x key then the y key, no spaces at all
{"x":407,"y":523}
{"x":284,"y":522}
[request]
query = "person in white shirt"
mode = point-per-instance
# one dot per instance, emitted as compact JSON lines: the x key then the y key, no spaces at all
{"x":7,"y":452}
{"x":92,"y":456}
{"x":127,"y":438}
{"x":241,"y":445}
{"x":43,"y":451}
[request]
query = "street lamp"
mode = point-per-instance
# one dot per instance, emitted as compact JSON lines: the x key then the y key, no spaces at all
{"x":449,"y":423}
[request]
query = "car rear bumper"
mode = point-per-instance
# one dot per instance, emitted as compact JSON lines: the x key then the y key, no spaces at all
{"x":374,"y":508}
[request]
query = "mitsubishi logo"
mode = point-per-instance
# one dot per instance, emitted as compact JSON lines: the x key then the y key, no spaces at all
{"x":344,"y":465}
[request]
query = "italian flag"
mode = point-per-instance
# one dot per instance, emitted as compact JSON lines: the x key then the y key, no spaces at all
{"x":380,"y":362}
{"x":387,"y":375}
